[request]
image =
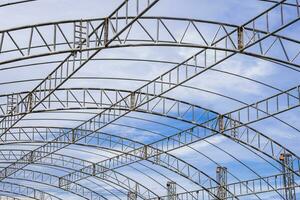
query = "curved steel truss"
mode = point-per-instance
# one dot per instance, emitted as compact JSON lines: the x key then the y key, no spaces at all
{"x":163,"y":137}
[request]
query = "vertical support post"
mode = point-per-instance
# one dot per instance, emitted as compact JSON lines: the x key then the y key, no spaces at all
{"x":3,"y":174}
{"x":94,"y":169}
{"x":221,"y":123}
{"x":157,"y":157}
{"x":145,"y":156}
{"x":9,"y":103}
{"x":288,"y":176}
{"x":42,"y":197}
{"x":73,"y":136}
{"x":132,"y":101}
{"x":221,"y":173}
{"x":31,"y":157}
{"x":29,"y":102}
{"x":106,"y":31}
{"x":171,"y":187}
{"x":80,"y":34}
{"x":61,"y":182}
{"x":234,"y":130}
{"x":131,"y":195}
{"x":240,"y":34}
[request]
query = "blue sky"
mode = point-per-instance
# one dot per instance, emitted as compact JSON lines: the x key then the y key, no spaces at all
{"x":100,"y":74}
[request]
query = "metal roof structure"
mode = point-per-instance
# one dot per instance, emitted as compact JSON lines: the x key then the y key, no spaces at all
{"x":106,"y":108}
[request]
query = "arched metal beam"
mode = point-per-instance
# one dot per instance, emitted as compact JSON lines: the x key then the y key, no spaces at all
{"x":15,"y":3}
{"x":85,"y":105}
{"x":121,"y":142}
{"x":39,"y":133}
{"x":108,"y":38}
{"x":100,"y":140}
{"x":183,"y":111}
{"x":101,"y":98}
{"x":109,"y":142}
{"x":255,"y":184}
{"x":167,"y":161}
{"x":53,"y":181}
{"x":8,"y":123}
{"x":283,"y":25}
{"x":141,"y":150}
{"x":3,"y":110}
{"x":118,"y":143}
{"x":113,"y":95}
{"x":160,"y":61}
{"x":165,"y":35}
{"x":289,"y":3}
{"x":28,"y":1}
{"x":81,"y":39}
{"x":114,"y":177}
{"x":8,"y":197}
{"x":30,"y":192}
{"x":234,"y":124}
{"x":138,"y":153}
{"x":240,"y":76}
{"x":66,"y":167}
{"x":72,"y":162}
{"x":241,"y":188}
{"x":114,"y":118}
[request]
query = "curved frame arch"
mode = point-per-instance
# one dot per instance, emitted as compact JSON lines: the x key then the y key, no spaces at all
{"x":112,"y":177}
{"x":53,"y":180}
{"x":8,"y":197}
{"x":232,"y":31}
{"x":182,"y":118}
{"x":121,"y":142}
{"x":30,"y":192}
{"x":215,"y":45}
{"x":213,"y":188}
{"x":233,"y":138}
{"x":83,"y":103}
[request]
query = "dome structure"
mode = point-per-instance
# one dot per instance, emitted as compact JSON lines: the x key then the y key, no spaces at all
{"x":149,"y":99}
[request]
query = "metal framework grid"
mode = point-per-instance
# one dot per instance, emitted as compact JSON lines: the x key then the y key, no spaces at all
{"x":80,"y":41}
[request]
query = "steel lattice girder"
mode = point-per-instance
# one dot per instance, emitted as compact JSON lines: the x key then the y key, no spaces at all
{"x":8,"y":197}
{"x":52,"y":180}
{"x":99,"y":140}
{"x":225,"y":38}
{"x":223,"y":123}
{"x":243,"y":188}
{"x":250,"y":136}
{"x":30,"y":192}
{"x":70,"y":69}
